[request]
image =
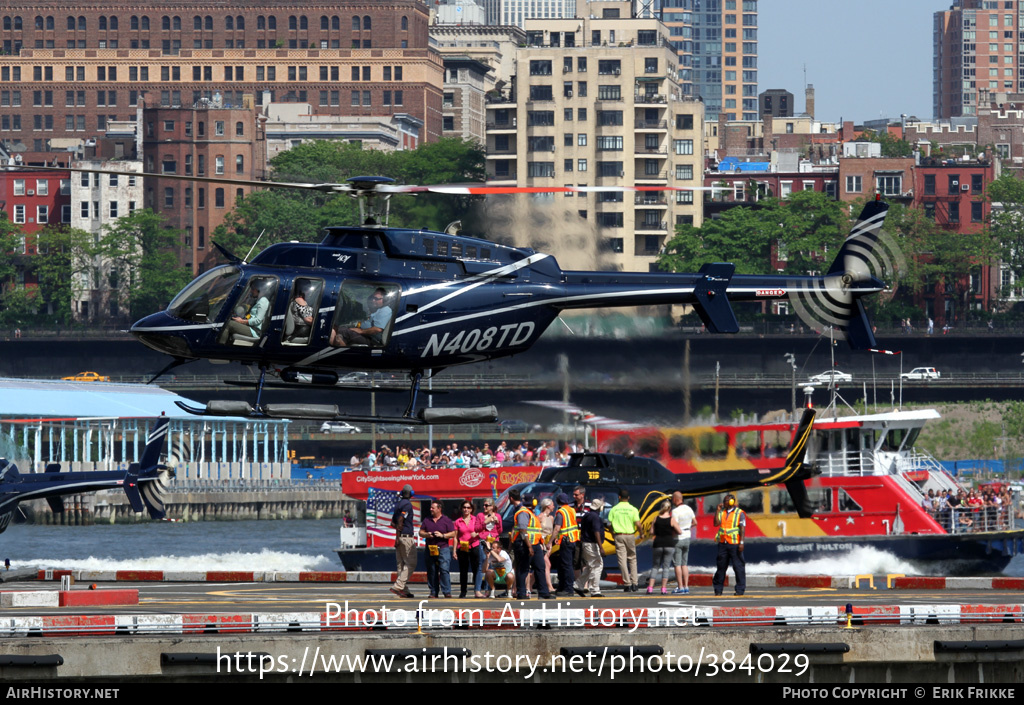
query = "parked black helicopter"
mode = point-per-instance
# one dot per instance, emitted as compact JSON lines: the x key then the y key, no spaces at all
{"x":649,"y":482}
{"x":142,"y":482}
{"x":373,"y":297}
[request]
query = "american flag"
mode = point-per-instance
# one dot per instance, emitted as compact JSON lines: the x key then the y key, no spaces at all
{"x":380,"y":507}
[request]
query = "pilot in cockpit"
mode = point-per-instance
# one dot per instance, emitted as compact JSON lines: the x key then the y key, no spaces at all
{"x":370,"y":331}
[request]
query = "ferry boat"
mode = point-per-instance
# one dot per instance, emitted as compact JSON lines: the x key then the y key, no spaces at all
{"x":870,"y":491}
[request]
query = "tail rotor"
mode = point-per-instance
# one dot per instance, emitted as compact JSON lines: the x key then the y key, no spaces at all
{"x":867,"y":257}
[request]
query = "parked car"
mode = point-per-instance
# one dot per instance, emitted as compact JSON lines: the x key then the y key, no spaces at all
{"x":513,"y":426}
{"x":827,"y":376}
{"x":358,"y":378}
{"x":922,"y":373}
{"x":88,"y":377}
{"x":339,"y":427}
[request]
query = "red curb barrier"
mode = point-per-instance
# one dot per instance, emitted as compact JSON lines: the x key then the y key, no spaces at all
{"x":919,"y":583}
{"x":1008,"y":583}
{"x":323,"y":577}
{"x":230,"y":576}
{"x":79,"y":598}
{"x":139,"y":575}
{"x":803,"y":581}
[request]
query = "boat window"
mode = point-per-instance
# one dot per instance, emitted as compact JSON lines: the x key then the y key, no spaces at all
{"x":681,"y":446}
{"x":301,"y":314}
{"x":428,"y":246}
{"x":364,"y":314}
{"x":456,"y":249}
{"x":820,"y":498}
{"x":471,"y":251}
{"x":202,"y":300}
{"x":894,"y":439}
{"x":911,"y":439}
{"x":713,"y":445}
{"x":847,"y":503}
{"x":748,"y":444}
{"x":442,"y":248}
{"x":250,"y":315}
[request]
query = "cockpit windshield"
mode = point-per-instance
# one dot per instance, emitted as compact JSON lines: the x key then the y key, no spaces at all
{"x":202,"y":300}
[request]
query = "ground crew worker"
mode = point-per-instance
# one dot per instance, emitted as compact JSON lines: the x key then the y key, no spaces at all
{"x":732,"y":523}
{"x":625,"y":521}
{"x":527,"y":545}
{"x":567,"y":536}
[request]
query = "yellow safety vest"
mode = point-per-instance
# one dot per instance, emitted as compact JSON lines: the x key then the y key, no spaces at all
{"x":729,"y":526}
{"x":533,"y":535}
{"x":570,"y":530}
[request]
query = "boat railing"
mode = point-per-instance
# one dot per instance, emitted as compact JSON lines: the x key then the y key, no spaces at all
{"x":962,"y":520}
{"x":859,"y":463}
{"x":846,"y":464}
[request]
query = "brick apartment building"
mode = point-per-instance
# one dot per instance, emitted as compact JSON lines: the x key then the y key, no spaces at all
{"x":67,"y":73}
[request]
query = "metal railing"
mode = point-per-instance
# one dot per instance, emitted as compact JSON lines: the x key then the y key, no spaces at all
{"x":963,"y":520}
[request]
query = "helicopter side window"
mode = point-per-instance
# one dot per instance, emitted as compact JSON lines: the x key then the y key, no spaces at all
{"x":202,"y":300}
{"x":251,"y":314}
{"x":364,"y":314}
{"x":301,"y":315}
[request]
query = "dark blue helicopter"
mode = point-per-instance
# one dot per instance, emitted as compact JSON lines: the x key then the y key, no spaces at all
{"x":142,"y":482}
{"x":373,"y":297}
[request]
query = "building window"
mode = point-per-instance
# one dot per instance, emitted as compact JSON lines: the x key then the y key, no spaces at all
{"x":889,"y":185}
{"x":684,"y":146}
{"x":853,"y":184}
{"x":218,"y":198}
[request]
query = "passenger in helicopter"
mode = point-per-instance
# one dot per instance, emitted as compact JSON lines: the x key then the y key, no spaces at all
{"x":368,"y":332}
{"x":250,"y":325}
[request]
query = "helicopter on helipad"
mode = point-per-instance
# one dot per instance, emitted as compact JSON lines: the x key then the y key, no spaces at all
{"x":380,"y":298}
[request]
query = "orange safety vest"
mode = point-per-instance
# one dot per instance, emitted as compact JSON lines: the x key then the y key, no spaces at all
{"x":729,"y":526}
{"x":533,"y":535}
{"x":570,"y":530}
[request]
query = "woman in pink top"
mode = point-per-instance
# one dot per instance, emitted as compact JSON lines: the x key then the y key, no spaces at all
{"x":490,"y":521}
{"x":467,"y":545}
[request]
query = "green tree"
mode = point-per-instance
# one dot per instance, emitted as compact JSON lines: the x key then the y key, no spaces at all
{"x":1006,"y":224}
{"x":140,"y":252}
{"x":891,"y":146}
{"x":61,"y":266}
{"x":298,"y":214}
{"x":807,"y":225}
{"x":16,"y":304}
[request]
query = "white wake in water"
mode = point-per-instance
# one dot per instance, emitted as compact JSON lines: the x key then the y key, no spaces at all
{"x":859,"y":561}
{"x":263,"y":561}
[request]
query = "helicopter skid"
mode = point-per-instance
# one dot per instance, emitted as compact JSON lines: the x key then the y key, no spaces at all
{"x":330,"y":412}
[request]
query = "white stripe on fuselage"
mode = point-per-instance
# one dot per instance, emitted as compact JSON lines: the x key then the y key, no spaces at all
{"x":468,"y":284}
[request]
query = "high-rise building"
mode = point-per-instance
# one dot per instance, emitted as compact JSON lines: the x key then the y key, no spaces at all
{"x":716,"y":41}
{"x":975,"y":56}
{"x":596,"y":102}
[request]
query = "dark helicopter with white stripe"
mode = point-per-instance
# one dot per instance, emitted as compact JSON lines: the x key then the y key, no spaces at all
{"x":143,"y":482}
{"x":380,"y":298}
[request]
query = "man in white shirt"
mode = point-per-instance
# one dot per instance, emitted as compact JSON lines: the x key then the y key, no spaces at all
{"x":686,"y":521}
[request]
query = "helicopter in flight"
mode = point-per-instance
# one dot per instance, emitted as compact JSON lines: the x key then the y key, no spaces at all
{"x":380,"y":298}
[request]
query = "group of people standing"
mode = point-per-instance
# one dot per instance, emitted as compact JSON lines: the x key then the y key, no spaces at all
{"x":477,"y":548}
{"x":576,"y":529}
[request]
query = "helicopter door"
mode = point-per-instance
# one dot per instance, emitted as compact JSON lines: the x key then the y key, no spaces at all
{"x":250,"y":315}
{"x":302,"y":312}
{"x":364,"y":314}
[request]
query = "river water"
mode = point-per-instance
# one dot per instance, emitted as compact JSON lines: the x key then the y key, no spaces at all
{"x":286,"y":546}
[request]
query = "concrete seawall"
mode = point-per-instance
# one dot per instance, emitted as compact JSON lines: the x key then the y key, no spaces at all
{"x":891,"y":655}
{"x":110,"y":507}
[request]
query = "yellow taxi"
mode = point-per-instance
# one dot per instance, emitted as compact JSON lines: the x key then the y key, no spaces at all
{"x":88,"y":377}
